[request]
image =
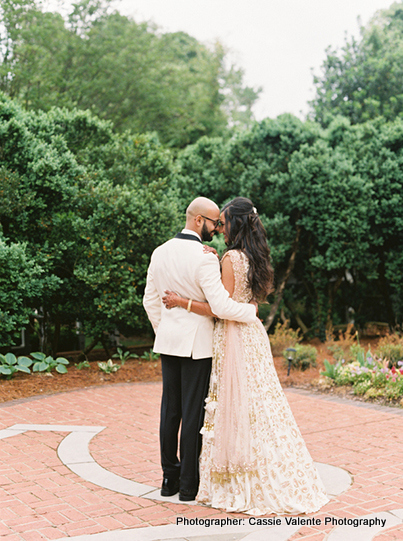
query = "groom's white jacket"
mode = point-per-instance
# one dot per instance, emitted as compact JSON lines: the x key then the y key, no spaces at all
{"x":180,"y":265}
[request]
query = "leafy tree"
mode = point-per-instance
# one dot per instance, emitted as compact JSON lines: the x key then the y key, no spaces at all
{"x":254,"y":164}
{"x":33,"y":46}
{"x":21,"y":286}
{"x":121,"y":71}
{"x":89,"y":227}
{"x":125,"y":224}
{"x":331,"y":202}
{"x":238,"y":99}
{"x":378,"y":147}
{"x":364,"y":79}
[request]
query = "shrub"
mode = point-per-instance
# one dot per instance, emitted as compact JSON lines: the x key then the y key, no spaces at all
{"x":374,"y":392}
{"x":82,"y":364}
{"x":150,"y":356}
{"x":283,"y":337}
{"x":305,"y":357}
{"x":362,"y":387}
{"x":46,"y":363}
{"x":21,"y":283}
{"x":357,"y":353}
{"x":124,"y":355}
{"x":10,"y":364}
{"x":394,"y":387}
{"x":330,"y":369}
{"x":391,"y":348}
{"x":344,"y":375}
{"x":379,"y":379}
{"x":109,"y":367}
{"x":81,"y":212}
{"x":340,"y":347}
{"x":370,"y":376}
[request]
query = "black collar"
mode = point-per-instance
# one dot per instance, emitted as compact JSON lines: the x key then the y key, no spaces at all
{"x":188,"y":237}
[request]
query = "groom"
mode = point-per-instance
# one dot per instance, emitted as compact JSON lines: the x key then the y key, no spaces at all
{"x":185,"y":340}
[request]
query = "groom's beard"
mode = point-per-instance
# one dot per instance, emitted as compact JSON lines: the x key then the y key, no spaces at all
{"x":205,"y":233}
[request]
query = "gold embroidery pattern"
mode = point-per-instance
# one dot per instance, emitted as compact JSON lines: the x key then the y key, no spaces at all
{"x":282,"y":478}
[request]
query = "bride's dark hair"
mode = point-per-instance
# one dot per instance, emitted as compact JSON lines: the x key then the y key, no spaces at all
{"x":245,"y":232}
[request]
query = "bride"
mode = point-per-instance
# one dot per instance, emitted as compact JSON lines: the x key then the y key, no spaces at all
{"x":253,"y":459}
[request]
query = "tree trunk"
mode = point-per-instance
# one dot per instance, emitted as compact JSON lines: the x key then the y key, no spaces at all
{"x":43,"y":330}
{"x":386,"y":292}
{"x":105,"y":346}
{"x":89,"y":348}
{"x":281,"y":286}
{"x":298,"y":319}
{"x":332,"y":294}
{"x":56,"y":336}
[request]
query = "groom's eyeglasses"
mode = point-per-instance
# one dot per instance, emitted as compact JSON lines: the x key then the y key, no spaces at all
{"x":217,"y":223}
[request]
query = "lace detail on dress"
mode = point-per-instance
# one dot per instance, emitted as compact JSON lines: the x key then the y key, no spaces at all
{"x":278,"y":475}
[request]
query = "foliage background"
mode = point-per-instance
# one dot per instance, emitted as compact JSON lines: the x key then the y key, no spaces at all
{"x":84,"y":231}
{"x":109,"y":128}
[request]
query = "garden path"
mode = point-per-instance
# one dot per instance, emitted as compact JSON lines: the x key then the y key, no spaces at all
{"x":84,"y":465}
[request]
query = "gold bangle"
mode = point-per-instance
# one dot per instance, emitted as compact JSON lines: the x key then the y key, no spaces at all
{"x":189,"y":305}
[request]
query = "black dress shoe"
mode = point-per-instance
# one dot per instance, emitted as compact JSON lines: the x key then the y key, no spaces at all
{"x":169,"y":487}
{"x":187,"y":495}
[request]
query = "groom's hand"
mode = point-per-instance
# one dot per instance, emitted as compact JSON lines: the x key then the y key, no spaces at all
{"x":255,"y":304}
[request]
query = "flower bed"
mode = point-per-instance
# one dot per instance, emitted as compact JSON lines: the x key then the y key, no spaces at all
{"x":353,"y":371}
{"x":370,"y":375}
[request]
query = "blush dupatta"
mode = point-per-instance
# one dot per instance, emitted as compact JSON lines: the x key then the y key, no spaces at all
{"x":232,"y":452}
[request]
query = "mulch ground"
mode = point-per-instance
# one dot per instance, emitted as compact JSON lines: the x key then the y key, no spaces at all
{"x":26,"y":385}
{"x":134,"y":370}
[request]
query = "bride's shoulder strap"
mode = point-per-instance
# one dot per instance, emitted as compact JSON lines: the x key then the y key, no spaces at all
{"x":232,"y":254}
{"x":237,"y":262}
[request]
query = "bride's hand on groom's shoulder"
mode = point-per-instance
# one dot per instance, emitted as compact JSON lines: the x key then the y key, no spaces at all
{"x":210,"y":249}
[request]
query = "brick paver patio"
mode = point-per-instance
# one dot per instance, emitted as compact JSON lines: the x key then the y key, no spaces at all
{"x":42,"y":498}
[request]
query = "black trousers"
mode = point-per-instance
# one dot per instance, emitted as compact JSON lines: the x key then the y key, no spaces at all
{"x":184,"y":388}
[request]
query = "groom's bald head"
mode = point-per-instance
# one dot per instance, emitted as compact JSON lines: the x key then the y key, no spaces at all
{"x":203,"y":207}
{"x":201,"y":217}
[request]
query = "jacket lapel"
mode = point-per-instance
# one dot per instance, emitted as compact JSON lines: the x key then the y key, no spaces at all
{"x":185,"y":236}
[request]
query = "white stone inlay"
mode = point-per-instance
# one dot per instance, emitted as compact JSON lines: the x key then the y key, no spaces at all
{"x":73,"y":452}
{"x":177,"y":532}
{"x":336,"y":480}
